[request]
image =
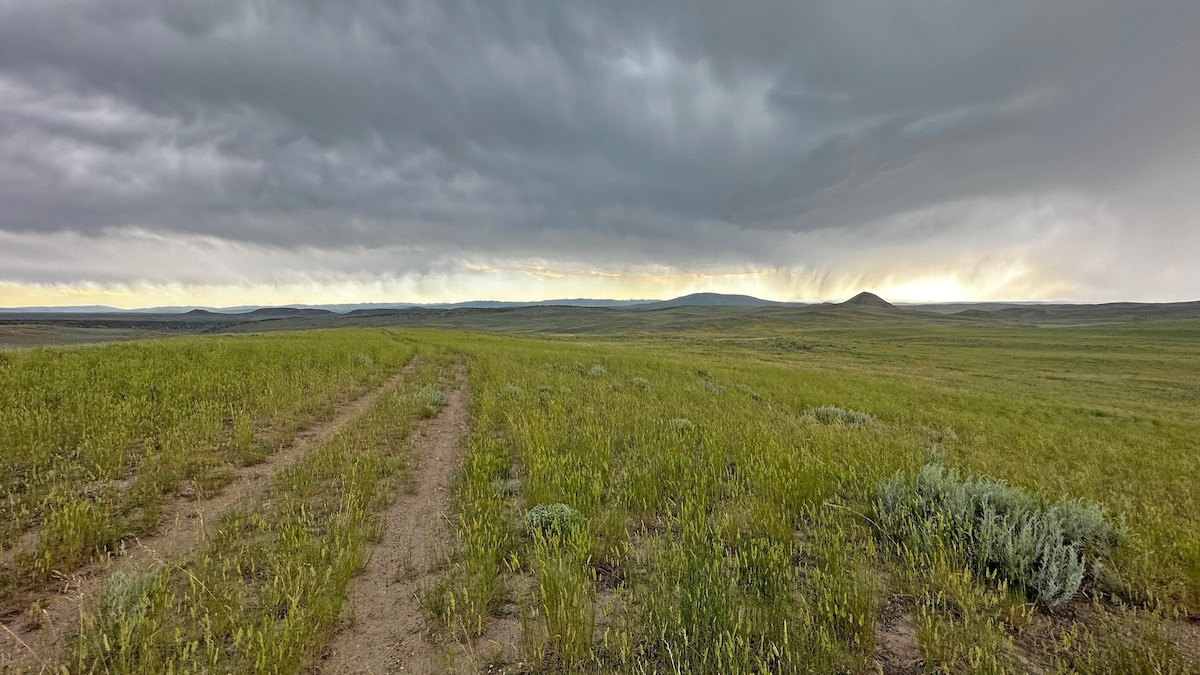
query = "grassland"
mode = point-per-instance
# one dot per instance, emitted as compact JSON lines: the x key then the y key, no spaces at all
{"x":265,"y":594}
{"x":726,"y":521}
{"x":96,"y":440}
{"x":718,"y":513}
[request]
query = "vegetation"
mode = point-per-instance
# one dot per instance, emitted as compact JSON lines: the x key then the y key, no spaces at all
{"x":829,"y":414}
{"x":96,"y":440}
{"x":742,"y":499}
{"x":552,"y":519}
{"x":735,"y":520}
{"x":1044,"y":548}
{"x":265,"y":593}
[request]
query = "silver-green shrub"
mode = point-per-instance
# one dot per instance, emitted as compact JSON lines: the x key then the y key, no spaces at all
{"x":1046,"y":548}
{"x":552,"y":519}
{"x":681,"y":424}
{"x":505,"y":487}
{"x":431,"y":399}
{"x":828,"y":414}
{"x":434,"y":397}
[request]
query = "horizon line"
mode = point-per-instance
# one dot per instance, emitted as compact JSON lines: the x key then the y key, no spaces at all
{"x":566,"y":302}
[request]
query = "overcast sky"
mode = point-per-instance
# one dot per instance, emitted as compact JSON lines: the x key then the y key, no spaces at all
{"x":236,"y":151}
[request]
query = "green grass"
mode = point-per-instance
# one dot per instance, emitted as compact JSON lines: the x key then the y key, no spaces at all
{"x":265,"y":592}
{"x":720,"y":503}
{"x":96,"y":440}
{"x":726,"y":479}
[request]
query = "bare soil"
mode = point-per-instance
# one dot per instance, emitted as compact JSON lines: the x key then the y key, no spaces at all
{"x":30,"y":639}
{"x":384,"y":629}
{"x":897,"y":651}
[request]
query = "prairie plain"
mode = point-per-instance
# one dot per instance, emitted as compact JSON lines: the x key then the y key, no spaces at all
{"x":743,"y":493}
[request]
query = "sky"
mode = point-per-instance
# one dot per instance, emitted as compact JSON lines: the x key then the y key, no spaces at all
{"x":237,"y":152}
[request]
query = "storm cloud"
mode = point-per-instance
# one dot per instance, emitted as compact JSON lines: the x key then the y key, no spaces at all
{"x":1011,"y":149}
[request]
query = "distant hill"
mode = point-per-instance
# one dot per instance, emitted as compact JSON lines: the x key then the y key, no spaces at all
{"x":868,"y":300}
{"x":385,"y":311}
{"x":278,"y":312}
{"x":710,"y":300}
{"x":564,"y":302}
{"x":260,"y":313}
{"x":1102,"y":313}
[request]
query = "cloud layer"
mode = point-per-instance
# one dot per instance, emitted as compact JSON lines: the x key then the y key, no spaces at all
{"x":445,"y":149}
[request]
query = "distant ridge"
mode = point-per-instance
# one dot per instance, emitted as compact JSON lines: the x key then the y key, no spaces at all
{"x":277,"y":312}
{"x":869,"y":300}
{"x":595,"y":314}
{"x":260,"y":313}
{"x":710,"y":300}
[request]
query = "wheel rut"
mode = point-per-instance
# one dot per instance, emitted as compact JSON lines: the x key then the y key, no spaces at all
{"x":388,"y":633}
{"x":29,"y":641}
{"x":897,"y":650}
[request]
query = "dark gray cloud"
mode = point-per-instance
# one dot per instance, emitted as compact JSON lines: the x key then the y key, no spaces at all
{"x":626,"y":132}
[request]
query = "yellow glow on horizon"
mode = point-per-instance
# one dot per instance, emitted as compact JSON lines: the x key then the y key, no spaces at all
{"x":930,"y":289}
{"x":541,"y":280}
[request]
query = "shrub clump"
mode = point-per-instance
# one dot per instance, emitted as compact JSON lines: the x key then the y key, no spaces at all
{"x":681,"y":424}
{"x":431,"y":399}
{"x":552,"y":519}
{"x":828,"y":414}
{"x":505,"y":487}
{"x":748,"y":391}
{"x":1046,"y":548}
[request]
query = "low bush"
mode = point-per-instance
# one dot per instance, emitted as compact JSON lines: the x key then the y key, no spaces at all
{"x":1048,"y":549}
{"x":828,"y":414}
{"x":506,"y":487}
{"x":682,"y":424}
{"x":552,"y":518}
{"x":431,"y":399}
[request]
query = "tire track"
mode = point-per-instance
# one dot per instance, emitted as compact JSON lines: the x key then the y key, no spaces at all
{"x":30,"y":642}
{"x":389,"y":634}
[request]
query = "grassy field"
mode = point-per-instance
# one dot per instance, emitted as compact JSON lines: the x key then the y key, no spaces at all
{"x":265,"y":594}
{"x":729,"y":529}
{"x":96,"y":439}
{"x":756,"y":496}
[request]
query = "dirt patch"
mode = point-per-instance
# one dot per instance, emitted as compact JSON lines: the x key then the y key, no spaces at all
{"x":386,"y":632}
{"x":30,"y":639}
{"x":1186,"y":638}
{"x":500,"y":647}
{"x":497,"y":650}
{"x":897,"y":651}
